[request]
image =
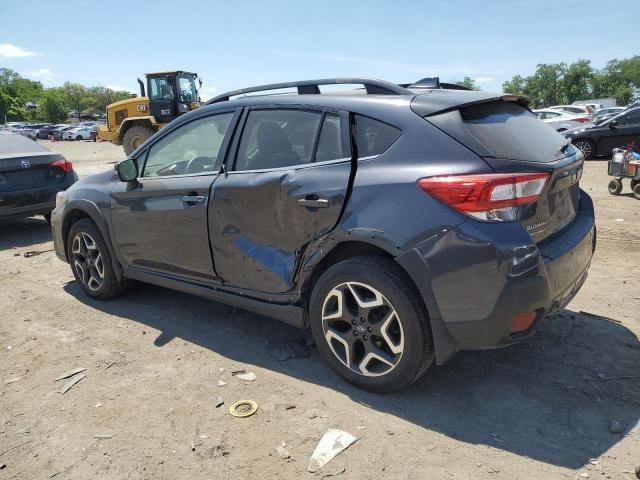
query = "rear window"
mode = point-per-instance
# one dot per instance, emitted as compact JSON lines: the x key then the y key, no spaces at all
{"x":11,"y":144}
{"x":505,"y":130}
{"x":374,"y":137}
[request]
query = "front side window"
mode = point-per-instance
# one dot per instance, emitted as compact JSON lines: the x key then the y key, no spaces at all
{"x":277,"y":138}
{"x":374,"y":137}
{"x":192,"y":148}
{"x":160,"y":89}
{"x":187,"y":89}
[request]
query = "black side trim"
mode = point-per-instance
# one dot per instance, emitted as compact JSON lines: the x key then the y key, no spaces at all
{"x":289,"y":314}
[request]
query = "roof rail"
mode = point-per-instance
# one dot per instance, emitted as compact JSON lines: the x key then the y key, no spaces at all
{"x":306,"y":87}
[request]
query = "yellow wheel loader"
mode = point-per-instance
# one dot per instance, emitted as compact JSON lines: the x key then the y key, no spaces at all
{"x":130,"y":122}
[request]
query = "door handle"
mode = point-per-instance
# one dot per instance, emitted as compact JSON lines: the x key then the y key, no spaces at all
{"x":193,"y":199}
{"x":311,"y":201}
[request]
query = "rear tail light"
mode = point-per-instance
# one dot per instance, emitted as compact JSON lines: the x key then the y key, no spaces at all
{"x":582,"y":120}
{"x":488,"y":197}
{"x":63,"y":164}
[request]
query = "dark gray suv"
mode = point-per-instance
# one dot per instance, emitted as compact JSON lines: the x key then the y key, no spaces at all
{"x":400,"y":224}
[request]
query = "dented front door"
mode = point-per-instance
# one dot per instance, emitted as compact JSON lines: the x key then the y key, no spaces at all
{"x":261,"y":221}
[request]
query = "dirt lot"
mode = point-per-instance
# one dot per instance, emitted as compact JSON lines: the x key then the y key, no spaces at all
{"x":557,"y":406}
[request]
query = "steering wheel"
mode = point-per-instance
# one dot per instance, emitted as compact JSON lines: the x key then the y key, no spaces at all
{"x":197,"y":165}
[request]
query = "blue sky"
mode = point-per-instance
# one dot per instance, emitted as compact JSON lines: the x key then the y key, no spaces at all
{"x":243,"y":43}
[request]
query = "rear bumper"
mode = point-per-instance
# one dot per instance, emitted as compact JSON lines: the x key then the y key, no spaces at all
{"x":35,"y":201}
{"x":477,"y":277}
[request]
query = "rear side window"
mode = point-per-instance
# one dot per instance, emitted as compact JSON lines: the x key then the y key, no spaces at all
{"x":331,"y":142}
{"x":374,"y":137}
{"x":277,"y":138}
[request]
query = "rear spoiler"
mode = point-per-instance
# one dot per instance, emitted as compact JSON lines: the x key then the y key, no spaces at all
{"x":435,"y":102}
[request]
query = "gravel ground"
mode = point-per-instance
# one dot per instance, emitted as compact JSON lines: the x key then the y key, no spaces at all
{"x":559,"y":405}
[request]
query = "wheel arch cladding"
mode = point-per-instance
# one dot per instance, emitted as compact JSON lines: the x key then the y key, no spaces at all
{"x":77,"y":210}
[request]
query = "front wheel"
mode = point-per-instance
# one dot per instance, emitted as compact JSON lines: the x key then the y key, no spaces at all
{"x":636,"y":191}
{"x":370,"y":324}
{"x":78,"y":138}
{"x":91,"y":262}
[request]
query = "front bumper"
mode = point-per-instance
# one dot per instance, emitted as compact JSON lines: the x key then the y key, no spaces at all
{"x":476,"y":277}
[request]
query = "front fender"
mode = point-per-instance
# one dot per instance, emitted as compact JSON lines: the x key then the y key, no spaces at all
{"x":91,"y":210}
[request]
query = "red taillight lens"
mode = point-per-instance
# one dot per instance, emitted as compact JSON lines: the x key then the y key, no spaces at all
{"x":582,"y":120}
{"x":490,"y":197}
{"x":65,"y":165}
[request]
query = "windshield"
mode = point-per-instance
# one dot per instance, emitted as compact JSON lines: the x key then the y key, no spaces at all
{"x":187,"y":89}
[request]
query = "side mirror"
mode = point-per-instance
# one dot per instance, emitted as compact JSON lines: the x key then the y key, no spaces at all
{"x":127,"y":170}
{"x":613,"y":124}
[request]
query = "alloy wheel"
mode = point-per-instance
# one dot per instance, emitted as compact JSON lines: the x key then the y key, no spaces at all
{"x":362,"y":329}
{"x":585,"y":147}
{"x":87,"y":261}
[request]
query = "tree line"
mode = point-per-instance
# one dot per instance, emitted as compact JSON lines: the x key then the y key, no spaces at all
{"x":561,"y":84}
{"x":53,"y":104}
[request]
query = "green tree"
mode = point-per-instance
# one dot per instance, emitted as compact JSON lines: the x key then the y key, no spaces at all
{"x":468,"y":82}
{"x":7,"y":76}
{"x":76,"y":97}
{"x":100,"y":97}
{"x":52,"y":108}
{"x":577,"y":81}
{"x":545,"y":86}
{"x":515,"y":86}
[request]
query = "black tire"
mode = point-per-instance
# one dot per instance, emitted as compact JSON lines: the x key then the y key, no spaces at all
{"x":636,"y":191}
{"x":110,"y":286}
{"x":47,"y":218}
{"x":385,"y":276}
{"x":634,"y":183}
{"x":587,"y":147}
{"x":615,"y":186}
{"x":136,"y":136}
{"x":78,"y":138}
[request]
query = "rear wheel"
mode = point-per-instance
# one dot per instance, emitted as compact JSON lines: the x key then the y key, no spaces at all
{"x":636,"y":191}
{"x":587,"y":147}
{"x":634,"y":183}
{"x":370,"y":324}
{"x":615,"y":186}
{"x":91,"y":262}
{"x":136,"y":136}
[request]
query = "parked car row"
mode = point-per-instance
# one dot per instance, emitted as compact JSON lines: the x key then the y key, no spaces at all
{"x":594,"y":132}
{"x":61,"y":131}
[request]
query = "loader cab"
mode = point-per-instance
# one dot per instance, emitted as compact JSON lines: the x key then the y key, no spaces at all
{"x":171,"y":94}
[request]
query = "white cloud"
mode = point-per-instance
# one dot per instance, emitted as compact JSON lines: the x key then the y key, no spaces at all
{"x":8,"y":50}
{"x":483,"y":79}
{"x":42,"y":74}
